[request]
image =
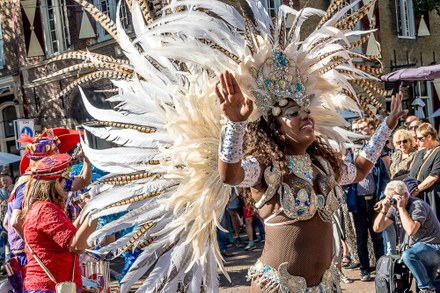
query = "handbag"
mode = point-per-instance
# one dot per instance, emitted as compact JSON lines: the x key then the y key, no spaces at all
{"x":63,"y":287}
{"x":426,"y":160}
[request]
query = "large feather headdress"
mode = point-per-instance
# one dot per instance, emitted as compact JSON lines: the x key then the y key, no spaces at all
{"x":166,"y":123}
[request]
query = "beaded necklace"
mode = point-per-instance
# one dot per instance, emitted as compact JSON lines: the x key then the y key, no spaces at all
{"x":301,"y":166}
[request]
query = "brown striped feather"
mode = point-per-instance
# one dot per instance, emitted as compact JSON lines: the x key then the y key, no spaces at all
{"x":103,"y":19}
{"x":124,"y":179}
{"x":89,"y":65}
{"x":93,"y":77}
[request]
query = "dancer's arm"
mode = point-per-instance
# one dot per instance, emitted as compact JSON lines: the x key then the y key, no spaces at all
{"x":237,"y":109}
{"x":369,"y":154}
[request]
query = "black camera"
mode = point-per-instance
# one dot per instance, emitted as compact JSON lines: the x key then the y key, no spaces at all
{"x":393,"y":201}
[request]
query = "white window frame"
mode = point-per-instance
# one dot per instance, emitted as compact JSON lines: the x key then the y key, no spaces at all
{"x":111,"y":5}
{"x":110,"y":11}
{"x":357,"y":27}
{"x":3,"y":138}
{"x":2,"y":51}
{"x":56,"y":30}
{"x":406,"y":28}
{"x":271,"y":6}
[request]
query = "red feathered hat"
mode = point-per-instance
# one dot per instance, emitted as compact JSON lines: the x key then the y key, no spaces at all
{"x":51,"y":141}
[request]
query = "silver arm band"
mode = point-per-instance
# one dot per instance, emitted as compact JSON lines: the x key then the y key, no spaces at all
{"x":349,"y":172}
{"x":372,"y":150}
{"x":231,"y":145}
{"x":252,"y":171}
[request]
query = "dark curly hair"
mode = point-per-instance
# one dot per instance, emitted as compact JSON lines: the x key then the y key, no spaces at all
{"x":264,"y":141}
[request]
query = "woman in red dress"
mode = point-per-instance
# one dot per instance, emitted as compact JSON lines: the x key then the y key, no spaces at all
{"x":48,"y":232}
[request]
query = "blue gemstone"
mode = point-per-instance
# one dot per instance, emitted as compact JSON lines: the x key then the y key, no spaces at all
{"x":300,"y":212}
{"x":299,"y":86}
{"x":297,"y":202}
{"x":307,"y":203}
{"x":320,"y":199}
{"x":267,"y":82}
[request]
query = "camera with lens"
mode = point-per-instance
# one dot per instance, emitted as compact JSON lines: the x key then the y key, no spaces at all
{"x":393,"y":201}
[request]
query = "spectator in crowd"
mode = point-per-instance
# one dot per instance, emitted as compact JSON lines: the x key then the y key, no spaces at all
{"x":421,"y":224}
{"x":410,"y":119}
{"x":3,"y":238}
{"x":222,"y":239}
{"x":426,"y":166}
{"x":41,"y":147}
{"x":412,"y":128}
{"x":233,"y":207}
{"x":48,"y":233}
{"x":404,"y":155}
{"x":248,"y":215}
{"x":355,"y":126}
{"x":368,"y":192}
{"x":7,"y":183}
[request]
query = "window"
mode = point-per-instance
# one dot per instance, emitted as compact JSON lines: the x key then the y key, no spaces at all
{"x":405,"y":19}
{"x":7,"y":116}
{"x":2,"y":56}
{"x":55,"y":25}
{"x":109,"y":7}
{"x":272,"y":6}
{"x":357,"y":27}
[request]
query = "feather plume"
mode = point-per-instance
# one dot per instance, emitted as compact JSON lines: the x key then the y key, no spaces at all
{"x":166,"y":122}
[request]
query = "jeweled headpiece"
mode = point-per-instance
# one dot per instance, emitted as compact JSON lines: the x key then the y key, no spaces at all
{"x":280,"y":79}
{"x":317,"y":72}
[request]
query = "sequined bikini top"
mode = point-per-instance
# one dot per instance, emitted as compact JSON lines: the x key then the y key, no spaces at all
{"x":300,"y":198}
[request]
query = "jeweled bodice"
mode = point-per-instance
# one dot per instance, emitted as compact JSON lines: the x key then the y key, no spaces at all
{"x":301,"y":199}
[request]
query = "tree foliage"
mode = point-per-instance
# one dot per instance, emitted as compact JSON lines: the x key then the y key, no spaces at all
{"x":424,"y":6}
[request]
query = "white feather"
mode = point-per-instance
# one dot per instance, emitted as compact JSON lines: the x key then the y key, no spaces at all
{"x":130,"y":137}
{"x":114,"y":116}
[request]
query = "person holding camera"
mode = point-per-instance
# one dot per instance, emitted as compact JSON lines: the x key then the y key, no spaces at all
{"x":421,"y":224}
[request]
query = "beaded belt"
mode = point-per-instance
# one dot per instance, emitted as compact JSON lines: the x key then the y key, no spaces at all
{"x":273,"y":280}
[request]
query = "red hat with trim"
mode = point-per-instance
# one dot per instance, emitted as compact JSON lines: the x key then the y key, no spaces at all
{"x":51,"y":167}
{"x":51,"y":141}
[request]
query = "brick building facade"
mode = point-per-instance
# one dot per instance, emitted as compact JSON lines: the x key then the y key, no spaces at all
{"x":33,"y":31}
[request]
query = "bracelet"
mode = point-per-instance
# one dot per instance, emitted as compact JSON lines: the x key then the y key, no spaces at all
{"x":231,"y":145}
{"x":251,"y":168}
{"x":371,"y":151}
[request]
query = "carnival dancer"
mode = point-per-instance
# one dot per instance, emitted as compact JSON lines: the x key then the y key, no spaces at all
{"x":166,"y":124}
{"x":294,"y":177}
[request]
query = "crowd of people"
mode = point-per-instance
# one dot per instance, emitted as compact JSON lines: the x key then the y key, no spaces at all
{"x":43,"y":233}
{"x":411,"y":160}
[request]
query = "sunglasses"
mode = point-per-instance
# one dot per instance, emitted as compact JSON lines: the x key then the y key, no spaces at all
{"x":420,"y":138}
{"x":399,"y":142}
{"x":413,"y":128}
{"x":360,"y":129}
{"x":406,"y":123}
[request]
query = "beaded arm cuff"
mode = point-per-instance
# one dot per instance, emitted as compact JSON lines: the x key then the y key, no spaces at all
{"x":349,"y":172}
{"x":231,"y":145}
{"x":372,"y":150}
{"x":252,"y":170}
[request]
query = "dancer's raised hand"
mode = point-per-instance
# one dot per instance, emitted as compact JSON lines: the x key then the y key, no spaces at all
{"x":234,"y":105}
{"x":396,"y":110}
